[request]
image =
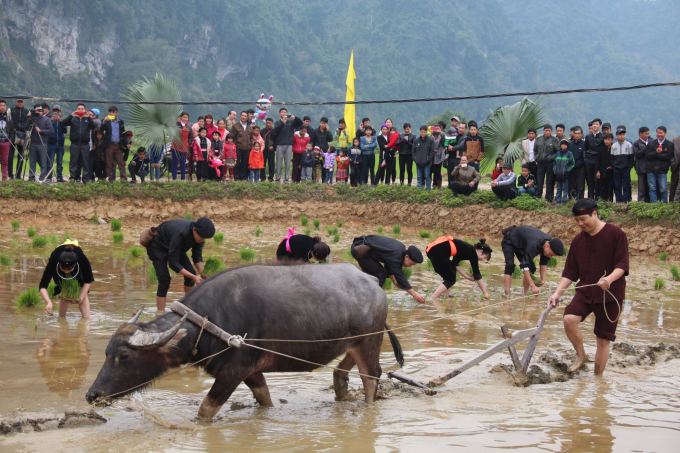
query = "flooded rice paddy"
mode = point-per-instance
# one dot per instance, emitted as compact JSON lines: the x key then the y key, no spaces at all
{"x":47,"y":364}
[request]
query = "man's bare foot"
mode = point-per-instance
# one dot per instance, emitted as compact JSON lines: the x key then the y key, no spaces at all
{"x":578,"y":363}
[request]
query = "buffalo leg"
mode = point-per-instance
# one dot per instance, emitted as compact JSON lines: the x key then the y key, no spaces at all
{"x":368,"y":361}
{"x":258,"y":386}
{"x":341,"y":378}
{"x":224,"y":385}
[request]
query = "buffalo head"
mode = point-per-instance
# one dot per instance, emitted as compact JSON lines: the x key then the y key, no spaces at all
{"x":135,"y":356}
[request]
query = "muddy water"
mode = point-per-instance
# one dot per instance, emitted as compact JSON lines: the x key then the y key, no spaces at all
{"x":48,"y":363}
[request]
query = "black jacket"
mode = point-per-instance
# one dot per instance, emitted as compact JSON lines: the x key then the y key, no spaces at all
{"x":385,"y":151}
{"x":640,"y":150}
{"x":283,"y":132}
{"x":83,"y":268}
{"x":81,"y":128}
{"x":389,"y":252}
{"x":578,"y":150}
{"x":322,"y":139}
{"x":175,"y":238}
{"x":269,"y":142}
{"x":6,"y":130}
{"x":604,"y":160}
{"x":594,"y":144}
{"x":526,"y":242}
{"x":423,"y":150}
{"x":659,"y":163}
{"x":19,"y":118}
{"x":106,"y":129}
{"x":361,"y":132}
{"x":405,"y":143}
{"x":40,"y":139}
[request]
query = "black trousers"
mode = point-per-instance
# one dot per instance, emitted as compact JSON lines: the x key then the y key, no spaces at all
{"x":509,"y":254}
{"x":533,"y":169}
{"x":241,"y":171}
{"x":20,"y":161}
{"x":545,"y":172}
{"x":163,"y":274}
{"x":505,"y":192}
{"x":373,"y":267}
{"x":591,"y":178}
{"x":577,"y":183}
{"x":673,"y":186}
{"x":270,"y":164}
{"x":606,"y":186}
{"x":406,"y":166}
{"x":436,"y":171}
{"x":354,"y":174}
{"x":461,"y":189}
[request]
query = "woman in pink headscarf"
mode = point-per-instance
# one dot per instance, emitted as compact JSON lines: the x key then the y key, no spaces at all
{"x":300,"y":248}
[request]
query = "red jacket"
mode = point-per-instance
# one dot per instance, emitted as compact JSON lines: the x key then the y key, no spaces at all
{"x":256,"y":160}
{"x":198,"y":153}
{"x":212,"y":128}
{"x":392,"y":142}
{"x":299,"y":143}
{"x":496,"y":173}
{"x":229,"y":151}
{"x":185,"y":135}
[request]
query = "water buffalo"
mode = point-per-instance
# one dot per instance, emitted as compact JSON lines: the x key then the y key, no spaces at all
{"x":306,"y":302}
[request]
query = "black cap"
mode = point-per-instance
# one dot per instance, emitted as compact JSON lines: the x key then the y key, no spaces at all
{"x":507,"y":165}
{"x":204,"y":228}
{"x":415,"y":254}
{"x":620,"y":130}
{"x":556,"y":246}
{"x":606,"y":125}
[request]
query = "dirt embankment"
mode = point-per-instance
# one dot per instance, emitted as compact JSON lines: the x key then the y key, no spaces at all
{"x":469,"y":221}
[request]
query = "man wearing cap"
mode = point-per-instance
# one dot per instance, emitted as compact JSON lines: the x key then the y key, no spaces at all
{"x":622,"y":160}
{"x":384,"y":257}
{"x":81,"y":126}
{"x":594,"y":145}
{"x":19,"y":116}
{"x":598,"y":259}
{"x":505,"y":185}
{"x":169,"y":247}
{"x":526,"y":242}
{"x":545,"y":150}
{"x":453,"y":130}
{"x":640,"y":148}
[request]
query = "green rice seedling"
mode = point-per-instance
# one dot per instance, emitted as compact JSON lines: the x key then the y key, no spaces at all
{"x":29,"y":298}
{"x":218,"y":238}
{"x":307,"y":231}
{"x":380,"y":230}
{"x":70,"y":289}
{"x":332,"y":231}
{"x":52,"y":238}
{"x":663,"y":256}
{"x":39,"y":242}
{"x":258,"y":232}
{"x":348,"y":254}
{"x":659,"y":284}
{"x":116,"y":225}
{"x":153,"y":278}
{"x":387,"y":285}
{"x":424,"y":234}
{"x":304,"y":220}
{"x":136,"y":251}
{"x":67,"y":237}
{"x":408,"y":271}
{"x":430,"y":267}
{"x":675,"y":273}
{"x":396,"y":229}
{"x":517,"y":273}
{"x":552,"y":262}
{"x":317,"y":222}
{"x":470,"y":272}
{"x":247,"y":254}
{"x":31,"y":231}
{"x":4,"y":260}
{"x":117,"y":238}
{"x":336,"y":238}
{"x":340,"y":223}
{"x":213,"y":265}
{"x":95,"y":219}
{"x":437,"y":231}
{"x":188,"y":216}
{"x":50,"y":289}
{"x":16,"y":225}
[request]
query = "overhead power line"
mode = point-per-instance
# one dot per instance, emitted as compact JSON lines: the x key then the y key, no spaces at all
{"x":385,"y":101}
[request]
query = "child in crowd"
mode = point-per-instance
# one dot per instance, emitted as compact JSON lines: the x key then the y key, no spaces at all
{"x":498,"y":169}
{"x":229,"y":158}
{"x":99,"y":167}
{"x":200,"y":124}
{"x":256,"y":162}
{"x":155,"y":161}
{"x":341,"y":136}
{"x":343,"y":164}
{"x":504,"y":185}
{"x":139,"y":166}
{"x":306,"y":163}
{"x":317,"y":168}
{"x":355,"y":162}
{"x":605,"y":171}
{"x":216,"y":149}
{"x":329,"y":164}
{"x":526,"y":182}
{"x":201,"y":150}
{"x":300,"y":141}
{"x":564,"y":163}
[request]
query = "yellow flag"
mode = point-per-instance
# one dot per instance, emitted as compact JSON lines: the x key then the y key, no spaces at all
{"x":350,"y":116}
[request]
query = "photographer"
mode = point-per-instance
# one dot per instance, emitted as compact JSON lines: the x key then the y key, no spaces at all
{"x":81,"y":125}
{"x":6,"y":138}
{"x":19,"y":116}
{"x":40,"y":135}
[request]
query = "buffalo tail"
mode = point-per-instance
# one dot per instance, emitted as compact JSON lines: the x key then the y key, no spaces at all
{"x":398,"y":353}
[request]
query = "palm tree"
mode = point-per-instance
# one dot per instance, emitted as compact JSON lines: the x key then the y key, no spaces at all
{"x":154,"y":123}
{"x":505,"y":129}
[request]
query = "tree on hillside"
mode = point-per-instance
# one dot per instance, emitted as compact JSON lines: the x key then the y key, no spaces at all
{"x":446,"y":117}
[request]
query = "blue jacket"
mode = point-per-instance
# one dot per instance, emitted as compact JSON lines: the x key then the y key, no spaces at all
{"x":155,"y":154}
{"x":58,"y":131}
{"x":366,"y":147}
{"x":307,"y":158}
{"x":577,"y":151}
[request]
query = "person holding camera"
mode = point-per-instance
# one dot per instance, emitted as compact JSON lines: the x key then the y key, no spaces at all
{"x":40,"y":135}
{"x":115,"y":142}
{"x":81,"y":126}
{"x":283,"y":136}
{"x":6,"y":138}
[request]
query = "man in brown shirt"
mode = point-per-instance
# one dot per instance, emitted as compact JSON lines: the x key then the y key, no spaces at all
{"x":598,"y":259}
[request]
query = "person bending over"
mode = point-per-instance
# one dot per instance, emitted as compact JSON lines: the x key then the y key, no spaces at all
{"x":446,"y":253}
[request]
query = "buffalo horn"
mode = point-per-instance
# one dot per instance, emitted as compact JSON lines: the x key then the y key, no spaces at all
{"x":148,"y":340}
{"x":136,"y":317}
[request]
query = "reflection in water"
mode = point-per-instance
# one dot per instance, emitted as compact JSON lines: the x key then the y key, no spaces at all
{"x":63,"y":357}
